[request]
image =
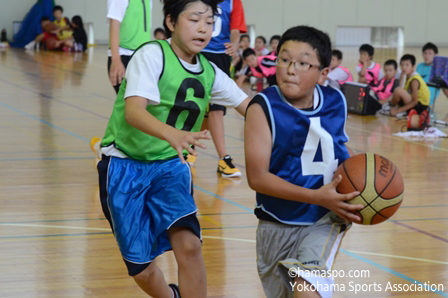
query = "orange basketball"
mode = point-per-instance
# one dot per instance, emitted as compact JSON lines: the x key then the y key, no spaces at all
{"x":379,"y":182}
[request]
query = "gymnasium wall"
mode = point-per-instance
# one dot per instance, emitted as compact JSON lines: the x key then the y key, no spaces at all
{"x":422,"y":20}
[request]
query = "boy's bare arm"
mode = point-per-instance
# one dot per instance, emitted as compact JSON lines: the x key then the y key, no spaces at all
{"x":137,"y":116}
{"x":362,"y":72}
{"x":243,"y":106}
{"x":117,"y":70}
{"x":240,"y":80}
{"x":257,"y":146}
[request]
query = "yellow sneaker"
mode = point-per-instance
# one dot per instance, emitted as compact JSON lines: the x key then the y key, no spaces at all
{"x":191,"y":159}
{"x":227,"y":169}
{"x":95,"y":145}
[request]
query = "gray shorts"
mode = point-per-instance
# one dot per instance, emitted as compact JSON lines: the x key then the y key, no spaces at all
{"x":281,"y":247}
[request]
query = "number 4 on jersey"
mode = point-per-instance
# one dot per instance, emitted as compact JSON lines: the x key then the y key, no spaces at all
{"x":318,"y":135}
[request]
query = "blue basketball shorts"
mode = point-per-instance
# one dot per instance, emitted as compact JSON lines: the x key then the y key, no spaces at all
{"x":141,"y":201}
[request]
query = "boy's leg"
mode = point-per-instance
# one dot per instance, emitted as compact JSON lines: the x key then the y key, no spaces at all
{"x":306,"y":294}
{"x":187,"y":249}
{"x":152,"y":281}
{"x":400,"y":94}
{"x":216,"y":126}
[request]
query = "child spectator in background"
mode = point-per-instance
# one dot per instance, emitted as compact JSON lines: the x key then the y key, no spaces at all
{"x":238,"y":60}
{"x":414,"y":95}
{"x":387,"y":85}
{"x":159,"y":34}
{"x":79,"y":35}
{"x":48,"y":38}
{"x":429,"y":50}
{"x":63,"y":23}
{"x":260,"y":46}
{"x":274,"y":43}
{"x":259,"y":67}
{"x":338,"y":74}
{"x":369,"y":72}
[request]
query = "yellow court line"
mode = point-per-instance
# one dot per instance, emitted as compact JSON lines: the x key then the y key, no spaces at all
{"x":55,"y":227}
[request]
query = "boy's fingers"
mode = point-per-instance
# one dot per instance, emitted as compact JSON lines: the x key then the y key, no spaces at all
{"x":181,"y":155}
{"x":337,"y":180}
{"x":199,"y":144}
{"x":191,"y":151}
{"x":350,"y":216}
{"x":351,"y":195}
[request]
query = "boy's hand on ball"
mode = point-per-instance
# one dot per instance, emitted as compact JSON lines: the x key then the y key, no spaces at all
{"x":329,"y":198}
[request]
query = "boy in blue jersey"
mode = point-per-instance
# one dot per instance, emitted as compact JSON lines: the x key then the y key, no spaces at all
{"x":145,"y":183}
{"x":229,"y":23}
{"x":294,"y":141}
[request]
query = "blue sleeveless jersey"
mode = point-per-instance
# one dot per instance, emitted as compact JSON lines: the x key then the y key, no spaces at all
{"x":221,"y":28}
{"x":308,"y":146}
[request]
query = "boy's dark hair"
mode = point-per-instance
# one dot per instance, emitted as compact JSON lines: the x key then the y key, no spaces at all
{"x":368,"y":49}
{"x":77,"y":20}
{"x":430,"y":46}
{"x":274,"y":37}
{"x":159,"y":30}
{"x":58,"y":7}
{"x":408,"y":57}
{"x":337,"y":53}
{"x":244,"y":36}
{"x":262,"y":38}
{"x":318,"y":40}
{"x":247,"y":52}
{"x":175,"y":7}
{"x":44,"y":19}
{"x":391,"y":62}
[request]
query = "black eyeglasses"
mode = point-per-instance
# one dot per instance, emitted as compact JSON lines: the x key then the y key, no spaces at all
{"x":298,"y":65}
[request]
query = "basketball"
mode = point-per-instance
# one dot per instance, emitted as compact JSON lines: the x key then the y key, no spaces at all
{"x":379,"y":182}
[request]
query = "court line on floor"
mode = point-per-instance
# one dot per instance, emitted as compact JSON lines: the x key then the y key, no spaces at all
{"x":45,"y":122}
{"x":391,"y":271}
{"x":204,"y":236}
{"x":47,"y":158}
{"x":103,"y":218}
{"x":347,"y":252}
{"x":421,"y":231}
{"x":222,"y":198}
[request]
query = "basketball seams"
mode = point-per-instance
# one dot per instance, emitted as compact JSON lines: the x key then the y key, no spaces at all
{"x":351,"y":182}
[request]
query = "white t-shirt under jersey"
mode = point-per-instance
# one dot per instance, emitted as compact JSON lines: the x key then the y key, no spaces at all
{"x":144,"y":69}
{"x":116,"y":10}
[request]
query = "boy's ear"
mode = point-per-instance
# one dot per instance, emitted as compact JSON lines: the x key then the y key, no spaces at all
{"x":323,"y":75}
{"x":169,"y":23}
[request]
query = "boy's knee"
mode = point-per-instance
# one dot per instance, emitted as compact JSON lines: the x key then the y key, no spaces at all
{"x":146,"y":274}
{"x":398,"y":90}
{"x":191,"y":249}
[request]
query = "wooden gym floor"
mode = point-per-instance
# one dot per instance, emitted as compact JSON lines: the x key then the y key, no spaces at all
{"x":55,"y":242}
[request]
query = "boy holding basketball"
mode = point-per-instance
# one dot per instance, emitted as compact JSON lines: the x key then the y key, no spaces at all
{"x":294,"y":141}
{"x":145,"y":183}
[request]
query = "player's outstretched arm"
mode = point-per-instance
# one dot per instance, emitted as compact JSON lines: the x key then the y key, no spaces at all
{"x":140,"y":118}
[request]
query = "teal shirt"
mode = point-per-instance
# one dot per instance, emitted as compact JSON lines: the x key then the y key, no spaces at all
{"x":425,"y":71}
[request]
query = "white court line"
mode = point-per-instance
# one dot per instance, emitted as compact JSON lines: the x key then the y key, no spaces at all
{"x":223,"y":238}
{"x":397,"y":257}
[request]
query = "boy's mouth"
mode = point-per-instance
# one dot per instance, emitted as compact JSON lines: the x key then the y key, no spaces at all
{"x":199,"y":41}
